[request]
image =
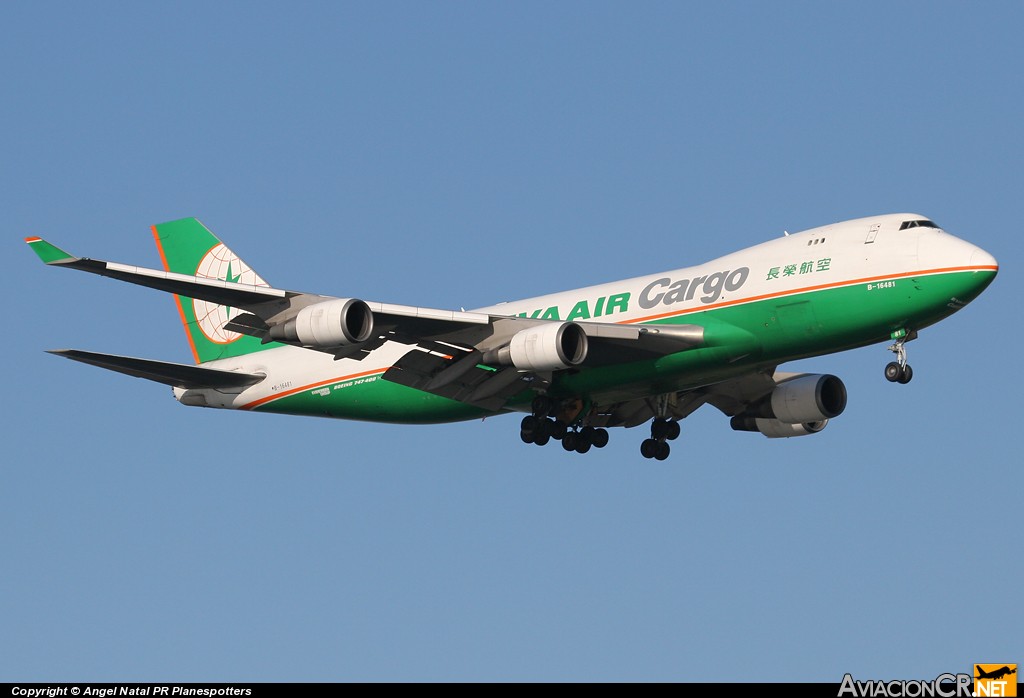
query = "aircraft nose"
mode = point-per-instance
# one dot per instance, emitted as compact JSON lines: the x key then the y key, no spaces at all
{"x":982,"y":271}
{"x":967,"y":269}
{"x":981,"y":258}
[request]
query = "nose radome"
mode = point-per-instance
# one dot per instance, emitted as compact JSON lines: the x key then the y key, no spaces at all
{"x":981,"y":258}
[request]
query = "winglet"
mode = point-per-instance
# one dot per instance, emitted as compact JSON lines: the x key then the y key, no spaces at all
{"x":50,"y":254}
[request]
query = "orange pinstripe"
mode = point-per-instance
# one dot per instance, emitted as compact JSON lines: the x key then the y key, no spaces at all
{"x":177,"y":298}
{"x":807,"y":289}
{"x":264,"y":400}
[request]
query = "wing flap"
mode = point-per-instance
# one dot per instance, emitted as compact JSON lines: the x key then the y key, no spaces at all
{"x":447,"y":316}
{"x":613,"y":344}
{"x":459,"y":378}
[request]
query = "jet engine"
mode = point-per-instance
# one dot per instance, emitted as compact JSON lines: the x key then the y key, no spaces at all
{"x":545,"y":347}
{"x":796,"y":407}
{"x":808,"y":398}
{"x":332,"y":323}
{"x":776,"y":429}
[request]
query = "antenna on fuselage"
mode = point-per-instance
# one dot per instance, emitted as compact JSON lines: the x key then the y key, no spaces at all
{"x":786,"y":233}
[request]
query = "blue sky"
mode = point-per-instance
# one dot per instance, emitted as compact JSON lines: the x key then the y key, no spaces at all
{"x":455,"y":155}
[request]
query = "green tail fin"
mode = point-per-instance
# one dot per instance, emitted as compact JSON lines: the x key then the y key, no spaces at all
{"x":187,"y":247}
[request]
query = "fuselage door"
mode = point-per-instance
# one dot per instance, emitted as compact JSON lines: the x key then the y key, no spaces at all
{"x":872,"y":233}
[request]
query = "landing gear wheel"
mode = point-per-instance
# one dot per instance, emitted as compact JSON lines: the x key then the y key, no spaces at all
{"x":906,"y":375}
{"x":659,"y":428}
{"x":582,"y":445}
{"x":558,"y":429}
{"x":649,"y":448}
{"x":672,"y":430}
{"x":663,"y":451}
{"x":529,"y":423}
{"x":526,"y":436}
{"x":545,"y":427}
{"x":569,"y":441}
{"x":542,"y":438}
{"x":893,"y":371}
{"x":665,"y":429}
{"x":600,"y":438}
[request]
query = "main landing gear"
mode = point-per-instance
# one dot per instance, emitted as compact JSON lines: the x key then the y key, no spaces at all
{"x":899,"y":371}
{"x":662,"y":431}
{"x":550,"y":420}
{"x":581,"y":439}
{"x":540,"y":428}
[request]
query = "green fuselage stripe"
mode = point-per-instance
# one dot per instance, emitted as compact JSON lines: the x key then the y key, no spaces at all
{"x":740,"y":336}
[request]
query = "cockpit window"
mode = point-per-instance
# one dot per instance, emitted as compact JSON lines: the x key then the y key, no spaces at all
{"x":917,"y":224}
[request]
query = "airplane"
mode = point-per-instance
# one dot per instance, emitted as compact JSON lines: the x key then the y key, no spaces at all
{"x":648,"y":349}
{"x":996,"y":674}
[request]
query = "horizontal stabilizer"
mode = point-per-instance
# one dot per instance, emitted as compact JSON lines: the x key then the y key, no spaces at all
{"x":176,"y":375}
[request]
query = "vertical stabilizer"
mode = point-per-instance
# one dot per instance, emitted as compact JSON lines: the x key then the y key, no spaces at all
{"x":188,"y":247}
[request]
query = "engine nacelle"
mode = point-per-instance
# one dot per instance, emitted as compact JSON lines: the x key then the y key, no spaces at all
{"x":807,"y":399}
{"x":545,"y":347}
{"x":775,"y":429}
{"x":332,"y":323}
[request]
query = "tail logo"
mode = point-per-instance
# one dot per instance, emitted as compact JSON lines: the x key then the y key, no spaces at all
{"x":222,"y":264}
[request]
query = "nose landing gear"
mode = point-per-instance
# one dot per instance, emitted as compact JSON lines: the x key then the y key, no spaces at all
{"x":899,"y":371}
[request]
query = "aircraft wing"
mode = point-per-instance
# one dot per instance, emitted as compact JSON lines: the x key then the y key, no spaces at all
{"x":461,"y":371}
{"x":267,"y":306}
{"x":457,"y":349}
{"x":732,"y":397}
{"x":213,"y":290}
